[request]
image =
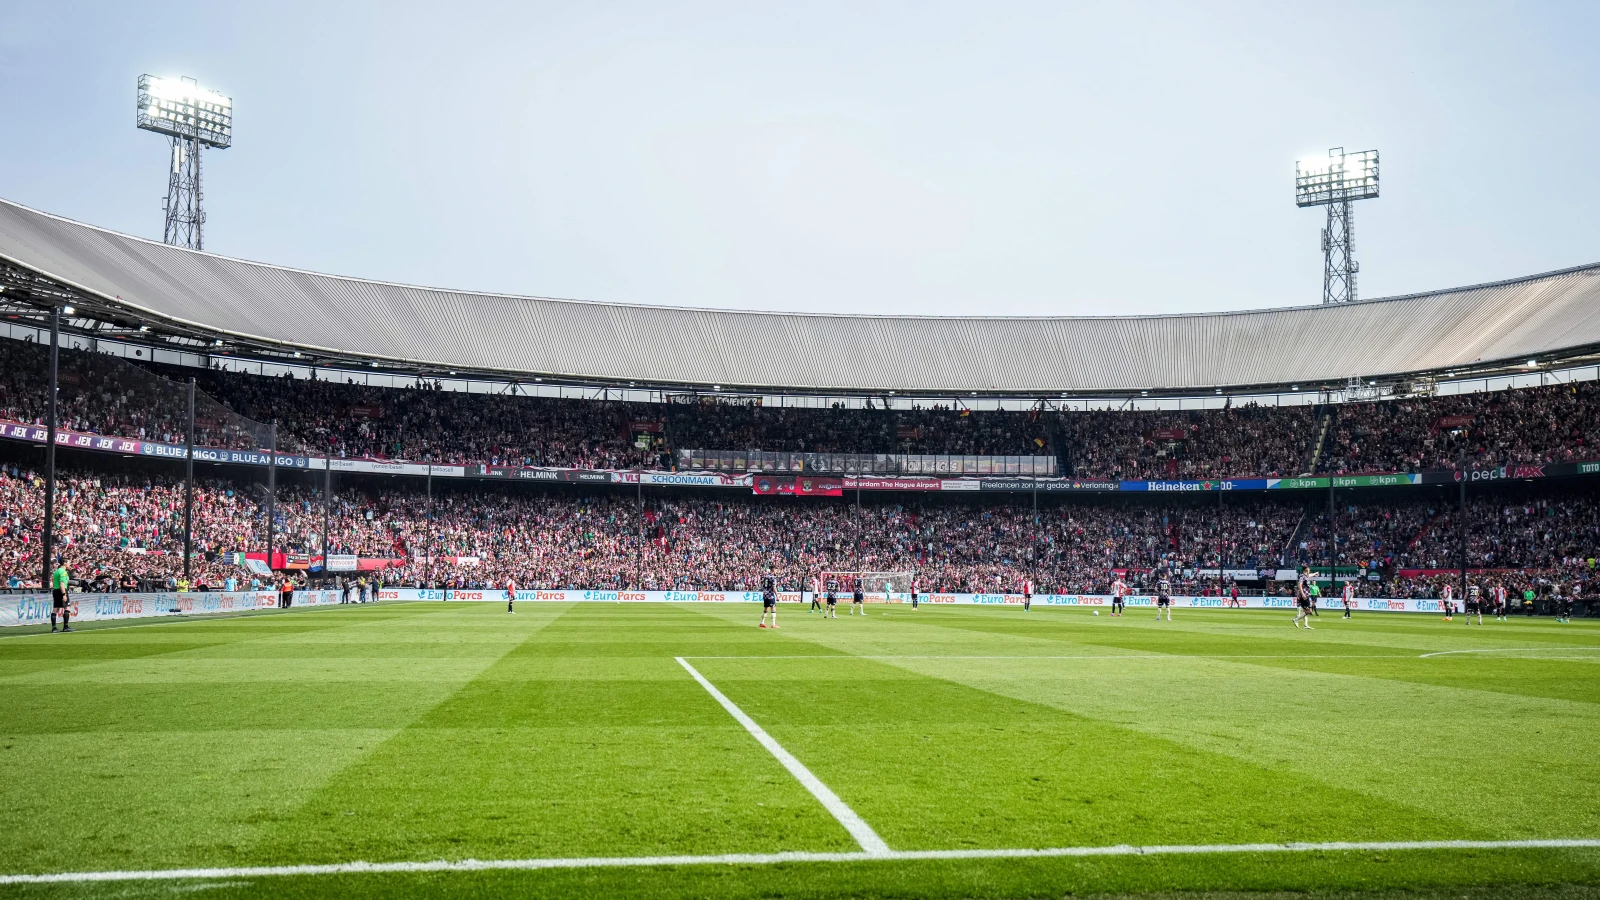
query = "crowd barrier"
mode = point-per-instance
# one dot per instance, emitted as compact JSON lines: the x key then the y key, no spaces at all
{"x":1088,"y":600}
{"x":34,"y":609}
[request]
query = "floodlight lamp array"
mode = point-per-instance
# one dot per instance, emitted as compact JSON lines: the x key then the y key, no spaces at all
{"x":183,"y":109}
{"x":1339,"y":178}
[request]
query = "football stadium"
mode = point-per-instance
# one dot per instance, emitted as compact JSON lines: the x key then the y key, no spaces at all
{"x":317,"y":585}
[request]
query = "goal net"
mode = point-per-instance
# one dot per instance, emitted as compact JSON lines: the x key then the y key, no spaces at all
{"x":876,"y":585}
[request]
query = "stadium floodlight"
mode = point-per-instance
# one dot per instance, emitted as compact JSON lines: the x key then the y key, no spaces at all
{"x":1336,"y":182}
{"x":191,"y":117}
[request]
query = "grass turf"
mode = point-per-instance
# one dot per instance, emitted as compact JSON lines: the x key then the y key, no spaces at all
{"x":453,"y":731}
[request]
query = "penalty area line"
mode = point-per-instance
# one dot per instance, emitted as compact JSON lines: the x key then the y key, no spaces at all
{"x":858,"y":828}
{"x":1515,"y":650}
{"x":1091,"y":656}
{"x":767,"y":859}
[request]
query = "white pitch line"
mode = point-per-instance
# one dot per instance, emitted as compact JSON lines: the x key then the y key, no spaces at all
{"x":858,"y":828}
{"x":766,"y":859}
{"x":1155,"y":656}
{"x":1514,"y":650}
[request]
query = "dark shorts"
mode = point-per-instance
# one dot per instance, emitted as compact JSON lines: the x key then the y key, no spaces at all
{"x":1163,"y":601}
{"x":769,"y":604}
{"x":831,"y":601}
{"x":58,"y":598}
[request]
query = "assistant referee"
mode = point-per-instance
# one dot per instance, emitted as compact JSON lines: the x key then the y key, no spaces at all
{"x":59,"y":579}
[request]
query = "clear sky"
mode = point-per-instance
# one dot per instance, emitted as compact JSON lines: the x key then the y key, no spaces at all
{"x":1040,"y":158}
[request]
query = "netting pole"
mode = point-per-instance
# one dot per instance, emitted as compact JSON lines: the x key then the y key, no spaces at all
{"x":1221,"y":542}
{"x":1461,"y":533}
{"x":188,"y":489}
{"x":327,"y":515}
{"x":640,"y":486}
{"x":427,"y":537}
{"x":272,"y":496}
{"x":1333,"y":536}
{"x":47,"y":541}
{"x":1035,"y":554}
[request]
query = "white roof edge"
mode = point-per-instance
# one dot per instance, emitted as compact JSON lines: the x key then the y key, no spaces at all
{"x":461,"y":292}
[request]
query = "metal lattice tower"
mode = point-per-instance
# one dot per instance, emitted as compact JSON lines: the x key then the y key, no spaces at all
{"x":191,"y":118}
{"x":186,"y":216}
{"x":1339,"y":266}
{"x":1336,"y":182}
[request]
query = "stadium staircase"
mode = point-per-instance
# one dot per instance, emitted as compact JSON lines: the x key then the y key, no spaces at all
{"x":1291,"y":551}
{"x":1058,"y":444}
{"x":1326,"y":414}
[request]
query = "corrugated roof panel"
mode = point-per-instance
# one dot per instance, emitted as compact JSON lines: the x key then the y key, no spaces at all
{"x":523,"y":335}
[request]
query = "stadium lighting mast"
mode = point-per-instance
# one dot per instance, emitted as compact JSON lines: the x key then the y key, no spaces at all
{"x":1337,"y":182}
{"x":191,"y":117}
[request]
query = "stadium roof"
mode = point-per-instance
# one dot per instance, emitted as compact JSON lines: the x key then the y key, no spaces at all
{"x":346,"y":320}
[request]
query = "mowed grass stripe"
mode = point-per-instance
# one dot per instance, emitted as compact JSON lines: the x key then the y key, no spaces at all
{"x":636,"y":765}
{"x":171,"y":768}
{"x":1224,"y":631}
{"x":932,"y":764}
{"x":553,"y":751}
{"x":1395,"y":745}
{"x":1449,"y":751}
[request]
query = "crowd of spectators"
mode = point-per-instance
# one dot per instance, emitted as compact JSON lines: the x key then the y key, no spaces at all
{"x":693,"y":543}
{"x":1542,"y":533}
{"x":1237,"y":442}
{"x":97,"y":393}
{"x":421,"y":423}
{"x":109,"y":395}
{"x":936,"y":430}
{"x":1557,"y":423}
{"x":124,"y":533}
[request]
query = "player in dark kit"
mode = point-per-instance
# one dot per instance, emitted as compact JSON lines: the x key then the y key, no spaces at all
{"x":1474,"y":603}
{"x":832,"y":612}
{"x":1163,"y":596}
{"x":769,"y":601}
{"x":1302,"y":599}
{"x":858,"y":599}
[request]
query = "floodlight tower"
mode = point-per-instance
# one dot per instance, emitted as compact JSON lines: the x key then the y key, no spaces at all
{"x":1336,"y":182}
{"x":192,"y":117}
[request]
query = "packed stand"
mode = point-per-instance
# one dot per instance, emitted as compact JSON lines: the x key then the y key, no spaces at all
{"x":109,"y":395}
{"x":559,"y":541}
{"x":1370,"y":536}
{"x":1545,"y":533}
{"x":424,"y":424}
{"x":1238,"y":442}
{"x":1529,"y":426}
{"x":124,"y":533}
{"x":937,"y":430}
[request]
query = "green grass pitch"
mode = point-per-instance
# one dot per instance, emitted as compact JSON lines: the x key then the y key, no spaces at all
{"x":422,"y":732}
